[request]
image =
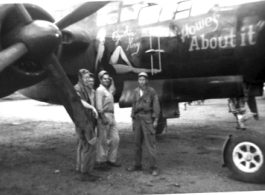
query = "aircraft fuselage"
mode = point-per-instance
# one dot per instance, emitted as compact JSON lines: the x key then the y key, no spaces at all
{"x":212,"y":54}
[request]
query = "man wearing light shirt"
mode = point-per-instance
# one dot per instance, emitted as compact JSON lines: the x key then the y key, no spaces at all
{"x":108,"y":135}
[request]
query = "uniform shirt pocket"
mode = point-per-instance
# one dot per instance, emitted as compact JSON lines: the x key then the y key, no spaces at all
{"x":147,"y":104}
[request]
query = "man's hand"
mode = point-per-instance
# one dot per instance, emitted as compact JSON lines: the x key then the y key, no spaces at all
{"x":155,"y":123}
{"x":95,"y":113}
{"x":105,"y":120}
{"x":112,"y":88}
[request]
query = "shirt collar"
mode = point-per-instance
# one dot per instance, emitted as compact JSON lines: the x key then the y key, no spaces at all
{"x":144,"y":91}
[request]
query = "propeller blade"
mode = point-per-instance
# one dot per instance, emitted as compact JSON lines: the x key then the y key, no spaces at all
{"x":23,"y":13}
{"x":80,"y":13}
{"x":67,"y":94}
{"x":9,"y":55}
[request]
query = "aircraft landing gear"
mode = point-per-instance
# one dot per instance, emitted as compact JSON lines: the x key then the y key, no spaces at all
{"x":244,"y":155}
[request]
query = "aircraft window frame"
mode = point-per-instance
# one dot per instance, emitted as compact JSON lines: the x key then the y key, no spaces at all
{"x":103,"y":13}
{"x":101,"y":19}
{"x":182,"y":14}
{"x":184,"y":5}
{"x":210,"y":5}
{"x":198,"y":10}
{"x":183,"y":9}
{"x":131,"y":2}
{"x":167,"y":12}
{"x":126,"y":14}
{"x":111,"y":19}
{"x":149,"y":20}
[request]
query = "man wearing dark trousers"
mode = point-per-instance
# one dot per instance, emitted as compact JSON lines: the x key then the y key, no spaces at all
{"x":86,"y":152}
{"x":145,"y":113}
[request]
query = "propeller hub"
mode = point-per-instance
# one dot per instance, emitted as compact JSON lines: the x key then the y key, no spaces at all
{"x":40,"y":37}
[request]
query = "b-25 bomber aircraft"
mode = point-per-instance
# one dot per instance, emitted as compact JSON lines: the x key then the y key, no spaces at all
{"x":190,"y":52}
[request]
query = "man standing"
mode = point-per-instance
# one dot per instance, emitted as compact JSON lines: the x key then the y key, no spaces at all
{"x":86,"y":152}
{"x":108,"y":135}
{"x":145,"y":113}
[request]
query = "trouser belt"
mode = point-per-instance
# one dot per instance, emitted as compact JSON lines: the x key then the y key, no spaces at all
{"x":143,"y":112}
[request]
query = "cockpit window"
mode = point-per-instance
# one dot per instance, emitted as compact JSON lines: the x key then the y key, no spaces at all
{"x":167,"y":12}
{"x":184,"y":5}
{"x":130,"y":12}
{"x":198,"y":9}
{"x":183,"y":14}
{"x":112,"y":18}
{"x":183,"y":9}
{"x":149,"y":15}
{"x":108,"y":14}
{"x":204,"y":6}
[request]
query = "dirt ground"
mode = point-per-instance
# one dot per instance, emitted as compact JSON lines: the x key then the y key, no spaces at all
{"x":38,"y":145}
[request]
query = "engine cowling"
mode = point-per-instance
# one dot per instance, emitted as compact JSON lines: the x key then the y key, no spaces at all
{"x":27,"y":70}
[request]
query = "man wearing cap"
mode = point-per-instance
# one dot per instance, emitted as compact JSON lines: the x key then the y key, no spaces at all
{"x":108,"y":134}
{"x":86,"y":152}
{"x":145,"y":113}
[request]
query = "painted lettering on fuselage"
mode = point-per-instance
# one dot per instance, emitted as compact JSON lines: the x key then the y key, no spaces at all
{"x":127,"y":36}
{"x":191,"y":30}
{"x":246,"y":38}
{"x":208,"y":33}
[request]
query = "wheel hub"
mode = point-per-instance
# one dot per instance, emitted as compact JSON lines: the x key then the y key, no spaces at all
{"x":248,"y":157}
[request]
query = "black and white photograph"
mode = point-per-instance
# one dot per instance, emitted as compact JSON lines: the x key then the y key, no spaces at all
{"x":132,"y":97}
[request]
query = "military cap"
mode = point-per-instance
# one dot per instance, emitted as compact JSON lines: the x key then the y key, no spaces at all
{"x":101,"y":73}
{"x":143,"y":74}
{"x":82,"y":72}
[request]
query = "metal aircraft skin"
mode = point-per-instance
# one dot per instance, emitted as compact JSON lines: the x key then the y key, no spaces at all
{"x":217,"y":53}
{"x":211,"y":55}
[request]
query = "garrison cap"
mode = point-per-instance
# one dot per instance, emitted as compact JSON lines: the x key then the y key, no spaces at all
{"x":143,"y":74}
{"x":101,"y":73}
{"x":82,"y":72}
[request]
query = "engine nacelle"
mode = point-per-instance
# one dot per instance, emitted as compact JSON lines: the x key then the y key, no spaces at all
{"x":28,"y":70}
{"x":75,"y":41}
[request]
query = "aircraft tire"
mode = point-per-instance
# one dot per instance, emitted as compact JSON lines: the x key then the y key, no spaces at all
{"x":245,"y":156}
